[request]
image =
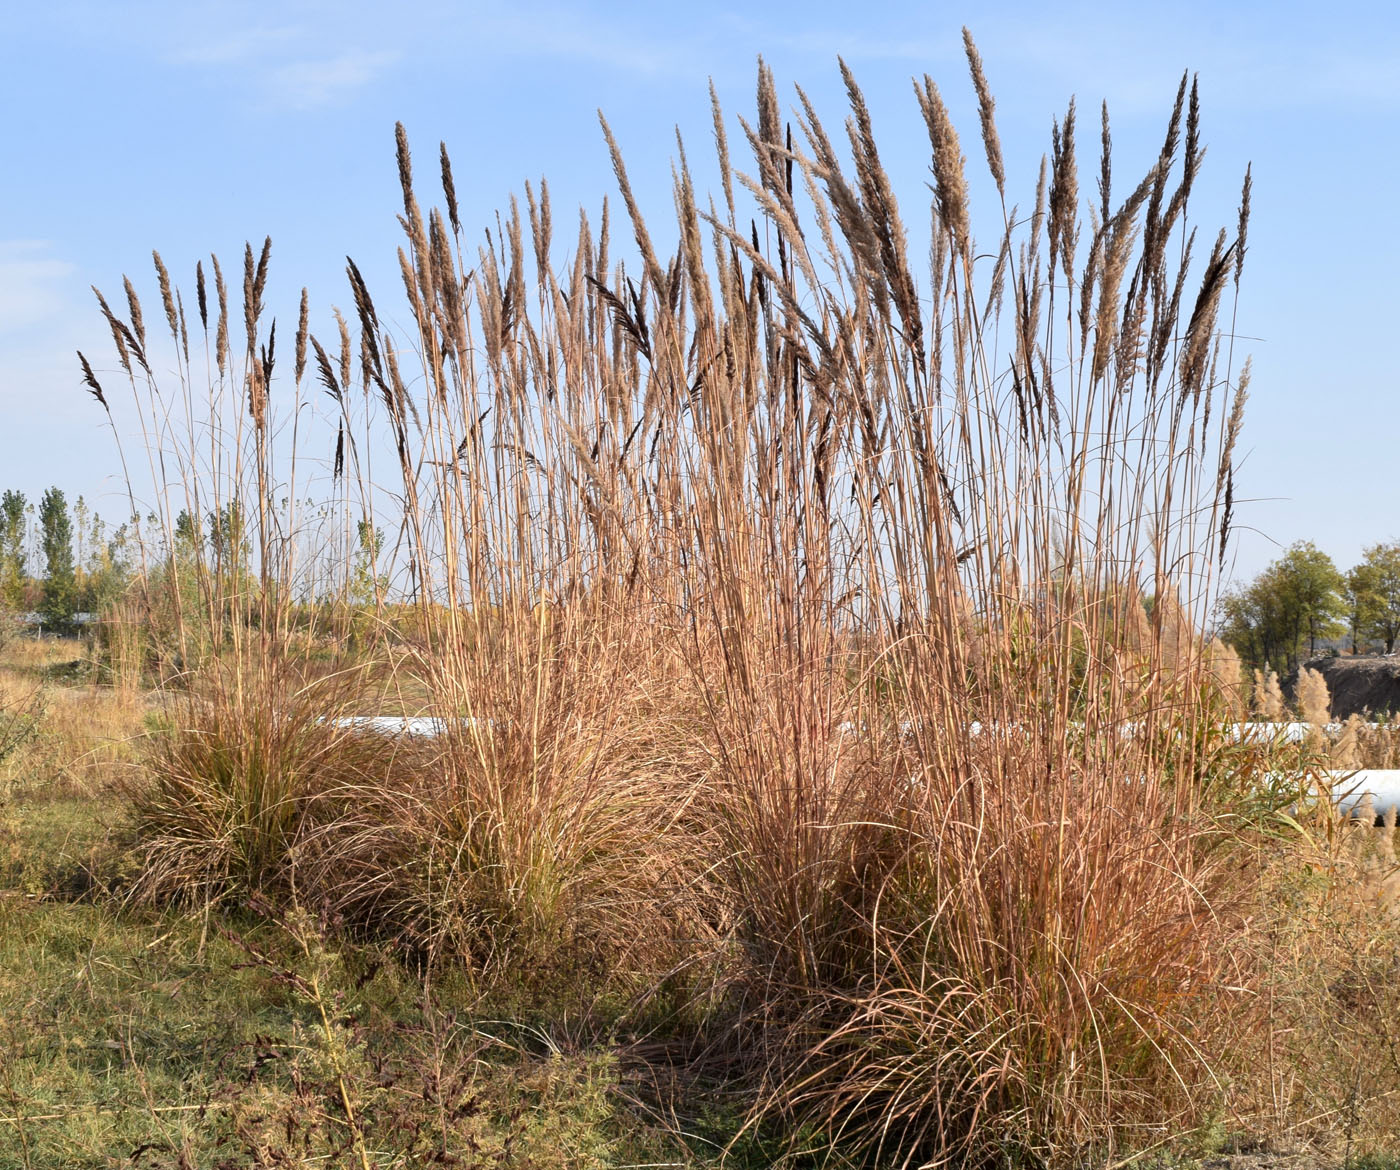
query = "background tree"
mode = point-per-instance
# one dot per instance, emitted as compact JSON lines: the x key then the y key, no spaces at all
{"x":1313,"y":593}
{"x":12,"y":575}
{"x":365,"y":583}
{"x":108,"y":570}
{"x":1296,"y":602}
{"x":186,"y":535}
{"x":56,"y":538}
{"x":229,"y":543}
{"x":1357,"y":595}
{"x":1252,"y":622}
{"x":82,"y":526}
{"x":1374,"y":586}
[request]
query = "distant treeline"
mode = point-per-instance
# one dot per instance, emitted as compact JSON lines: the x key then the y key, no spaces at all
{"x":1303,"y":604}
{"x":57,"y":560}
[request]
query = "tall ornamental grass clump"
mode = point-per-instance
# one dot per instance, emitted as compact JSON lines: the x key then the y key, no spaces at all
{"x":238,"y":777}
{"x":829,"y":615}
{"x":537,"y":839}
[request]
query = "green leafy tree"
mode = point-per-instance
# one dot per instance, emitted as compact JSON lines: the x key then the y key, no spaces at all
{"x":82,"y":526}
{"x":228,"y":542}
{"x":1357,"y":596}
{"x":1373,"y":591}
{"x":186,"y":536}
{"x":1313,"y":593}
{"x":108,"y":571}
{"x":60,"y":581}
{"x":1296,"y":602}
{"x":1250,"y":622}
{"x":12,"y":576}
{"x":365,"y":583}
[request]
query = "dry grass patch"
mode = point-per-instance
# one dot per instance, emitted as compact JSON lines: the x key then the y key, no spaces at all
{"x":819,"y":625}
{"x":1331,"y":1049}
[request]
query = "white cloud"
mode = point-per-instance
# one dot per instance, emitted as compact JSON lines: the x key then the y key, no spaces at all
{"x":563,"y":33}
{"x":237,"y":48}
{"x":1268,"y":70}
{"x":309,"y":83}
{"x":31,"y":284}
{"x":293,"y":65}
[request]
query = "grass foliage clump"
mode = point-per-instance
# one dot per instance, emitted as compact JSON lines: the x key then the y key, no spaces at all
{"x":235,"y":778}
{"x":807,"y":625}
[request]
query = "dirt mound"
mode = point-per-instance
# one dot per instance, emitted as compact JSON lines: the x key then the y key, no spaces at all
{"x":1364,"y":684}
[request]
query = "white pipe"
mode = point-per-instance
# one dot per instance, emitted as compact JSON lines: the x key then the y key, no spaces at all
{"x":1351,"y":791}
{"x":427,"y":726}
{"x":1380,"y":787}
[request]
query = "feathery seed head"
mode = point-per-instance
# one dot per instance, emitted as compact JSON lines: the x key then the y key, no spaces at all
{"x":1242,"y":235}
{"x":250,"y":303}
{"x":90,"y":381}
{"x":986,"y":107}
{"x":118,"y":331}
{"x":1314,"y":703}
{"x":1105,"y":168}
{"x":302,"y":325}
{"x":201,"y":295}
{"x":449,"y":190}
{"x":167,"y":298}
{"x":950,"y":180}
{"x":404,"y":161}
{"x":1064,"y":194}
{"x":138,"y":325}
{"x":221,"y":342}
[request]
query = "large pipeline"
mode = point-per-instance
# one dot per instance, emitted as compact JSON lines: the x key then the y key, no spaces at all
{"x":1352,"y":790}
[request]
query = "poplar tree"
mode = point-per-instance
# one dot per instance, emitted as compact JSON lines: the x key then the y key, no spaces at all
{"x":12,"y":550}
{"x":56,"y":539}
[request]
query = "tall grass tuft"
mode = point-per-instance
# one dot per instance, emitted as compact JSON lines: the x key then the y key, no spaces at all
{"x":239,"y":776}
{"x":833,"y":618}
{"x":538,"y":839}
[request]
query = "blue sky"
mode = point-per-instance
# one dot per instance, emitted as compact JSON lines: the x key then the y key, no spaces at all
{"x":193,"y":127}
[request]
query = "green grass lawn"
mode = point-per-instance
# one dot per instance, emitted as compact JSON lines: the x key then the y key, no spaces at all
{"x":138,"y":1040}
